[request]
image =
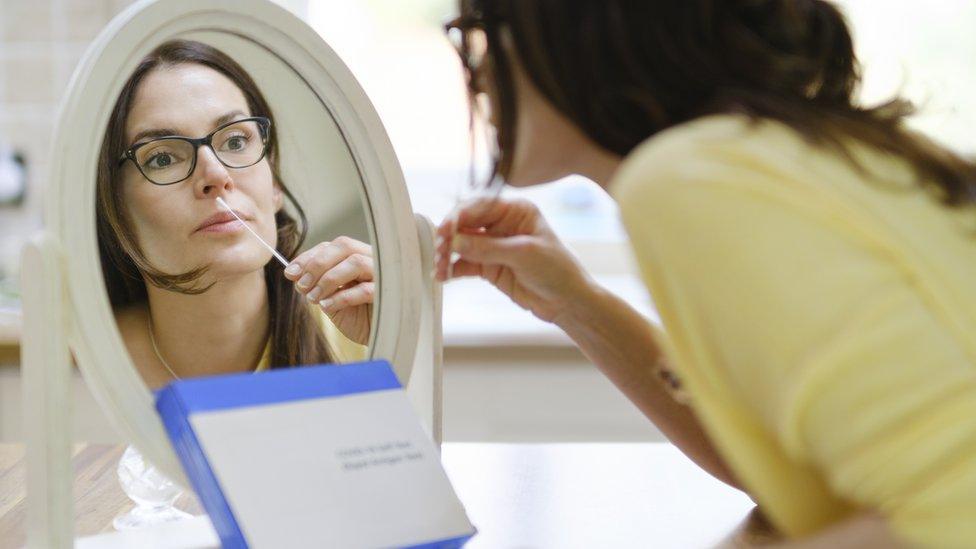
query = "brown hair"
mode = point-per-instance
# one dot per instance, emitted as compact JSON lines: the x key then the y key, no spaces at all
{"x":623,"y":70}
{"x":294,"y":333}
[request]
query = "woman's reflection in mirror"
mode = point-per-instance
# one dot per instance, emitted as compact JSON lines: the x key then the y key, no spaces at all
{"x":193,"y":293}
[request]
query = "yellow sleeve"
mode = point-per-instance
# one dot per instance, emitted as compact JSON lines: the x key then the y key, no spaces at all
{"x":792,"y":305}
{"x":343,"y":349}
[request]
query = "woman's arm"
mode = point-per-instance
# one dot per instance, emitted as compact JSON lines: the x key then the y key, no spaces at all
{"x":508,"y":243}
{"x":620,"y":342}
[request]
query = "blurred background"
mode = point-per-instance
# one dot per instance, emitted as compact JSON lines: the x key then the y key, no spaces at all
{"x":508,"y":376}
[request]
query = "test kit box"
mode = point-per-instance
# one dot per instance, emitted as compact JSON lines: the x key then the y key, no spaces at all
{"x":315,"y":456}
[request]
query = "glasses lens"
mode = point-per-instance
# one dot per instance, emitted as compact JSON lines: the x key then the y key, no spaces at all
{"x":165,"y":161}
{"x":241,"y":144}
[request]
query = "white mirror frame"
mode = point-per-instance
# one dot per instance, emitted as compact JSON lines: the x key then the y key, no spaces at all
{"x":63,"y":286}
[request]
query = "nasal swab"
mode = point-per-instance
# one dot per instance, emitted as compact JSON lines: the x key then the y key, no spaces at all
{"x":278,"y":256}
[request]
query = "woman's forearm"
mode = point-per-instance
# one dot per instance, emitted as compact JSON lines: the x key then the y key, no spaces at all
{"x":620,"y":341}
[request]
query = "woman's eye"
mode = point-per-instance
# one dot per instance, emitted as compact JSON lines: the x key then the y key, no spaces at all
{"x":235,"y":143}
{"x":160,"y":161}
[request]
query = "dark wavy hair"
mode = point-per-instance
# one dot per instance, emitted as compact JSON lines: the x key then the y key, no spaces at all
{"x":295,"y":335}
{"x":624,"y":70}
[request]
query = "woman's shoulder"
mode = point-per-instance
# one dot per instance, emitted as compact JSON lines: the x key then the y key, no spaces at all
{"x":696,"y":150}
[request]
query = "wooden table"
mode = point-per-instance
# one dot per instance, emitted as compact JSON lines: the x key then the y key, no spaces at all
{"x":98,"y":496}
{"x":9,"y":354}
{"x":517,"y":495}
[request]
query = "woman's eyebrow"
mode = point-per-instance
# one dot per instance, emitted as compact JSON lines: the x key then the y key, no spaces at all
{"x":153,"y":132}
{"x":167,"y":132}
{"x":227,"y":117}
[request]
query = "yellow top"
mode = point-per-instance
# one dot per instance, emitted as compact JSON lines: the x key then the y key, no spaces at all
{"x":822,"y":321}
{"x":342,"y":348}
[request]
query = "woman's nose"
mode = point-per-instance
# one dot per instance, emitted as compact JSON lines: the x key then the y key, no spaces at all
{"x":212,"y":177}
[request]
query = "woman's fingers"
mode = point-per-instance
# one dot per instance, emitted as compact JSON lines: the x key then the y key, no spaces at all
{"x":494,"y":216}
{"x":324,"y":256}
{"x":442,"y":267}
{"x":464,"y":268}
{"x":446,"y":228}
{"x":355,"y":268}
{"x":482,"y":215}
{"x":485,"y":212}
{"x":479,"y":251}
{"x":296,"y":269}
{"x":310,"y":266}
{"x":491,"y":250}
{"x":442,"y":244}
{"x":353,"y":245}
{"x":353,"y":296}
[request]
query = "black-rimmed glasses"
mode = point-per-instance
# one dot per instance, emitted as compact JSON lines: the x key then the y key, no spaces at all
{"x":171,"y":159}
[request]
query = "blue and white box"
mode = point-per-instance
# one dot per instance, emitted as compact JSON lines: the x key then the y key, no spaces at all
{"x":316,"y":456}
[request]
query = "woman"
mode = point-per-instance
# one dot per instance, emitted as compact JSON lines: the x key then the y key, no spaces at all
{"x":812,"y":260}
{"x":194,"y":292}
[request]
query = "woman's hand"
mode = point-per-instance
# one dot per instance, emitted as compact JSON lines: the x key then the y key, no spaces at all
{"x":508,"y":243}
{"x":339,"y":276}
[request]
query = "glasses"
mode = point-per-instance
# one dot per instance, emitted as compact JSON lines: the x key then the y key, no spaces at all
{"x":171,"y":159}
{"x":467,"y":35}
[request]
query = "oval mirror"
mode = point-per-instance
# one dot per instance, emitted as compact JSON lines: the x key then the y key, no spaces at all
{"x":268,"y":118}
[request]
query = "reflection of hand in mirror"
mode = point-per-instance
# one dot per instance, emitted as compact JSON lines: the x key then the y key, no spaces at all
{"x":193,"y":292}
{"x":338,"y":276}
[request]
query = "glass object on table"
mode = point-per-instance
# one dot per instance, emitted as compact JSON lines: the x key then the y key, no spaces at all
{"x":152,"y":492}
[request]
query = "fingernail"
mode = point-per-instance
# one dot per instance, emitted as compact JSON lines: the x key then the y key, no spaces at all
{"x":305,"y":280}
{"x":326,"y":303}
{"x":313,"y":294}
{"x":438,"y":242}
{"x":293,"y":269}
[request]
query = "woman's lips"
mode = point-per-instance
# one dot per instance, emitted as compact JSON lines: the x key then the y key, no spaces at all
{"x":231,"y":226}
{"x":222,"y":222}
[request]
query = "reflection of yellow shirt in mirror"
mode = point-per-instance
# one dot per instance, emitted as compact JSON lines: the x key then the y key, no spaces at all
{"x":342,"y":348}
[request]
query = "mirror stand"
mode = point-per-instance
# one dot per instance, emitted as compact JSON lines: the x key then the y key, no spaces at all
{"x":46,"y":370}
{"x":46,"y":367}
{"x":425,"y":386}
